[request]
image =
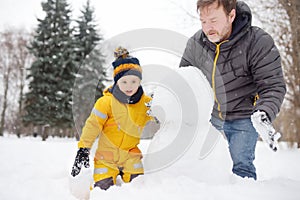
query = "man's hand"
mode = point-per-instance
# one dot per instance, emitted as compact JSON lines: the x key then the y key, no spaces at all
{"x":265,"y":129}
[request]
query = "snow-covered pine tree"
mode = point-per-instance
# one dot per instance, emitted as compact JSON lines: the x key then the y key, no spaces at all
{"x":91,"y":75}
{"x":52,"y":74}
{"x":87,"y":36}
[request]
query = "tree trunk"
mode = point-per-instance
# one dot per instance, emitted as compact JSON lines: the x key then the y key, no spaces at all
{"x":45,"y":132}
{"x":4,"y":106}
{"x":20,"y":110}
{"x":297,"y":43}
{"x":292,"y":8}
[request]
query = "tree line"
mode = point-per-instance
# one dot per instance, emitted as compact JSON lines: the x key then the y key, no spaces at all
{"x":53,"y":61}
{"x":59,"y":65}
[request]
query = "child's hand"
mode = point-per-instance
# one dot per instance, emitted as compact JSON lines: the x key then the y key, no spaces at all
{"x":82,"y":158}
{"x":149,"y":111}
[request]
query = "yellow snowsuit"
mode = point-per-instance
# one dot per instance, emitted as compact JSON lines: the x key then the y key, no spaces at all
{"x":119,"y":127}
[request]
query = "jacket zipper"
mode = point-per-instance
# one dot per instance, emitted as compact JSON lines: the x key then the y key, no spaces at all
{"x":213,"y":77}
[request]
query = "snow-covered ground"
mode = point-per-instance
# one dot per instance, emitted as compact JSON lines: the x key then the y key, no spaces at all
{"x":34,"y":169}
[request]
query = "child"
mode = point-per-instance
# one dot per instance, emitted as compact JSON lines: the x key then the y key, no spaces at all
{"x":118,"y":119}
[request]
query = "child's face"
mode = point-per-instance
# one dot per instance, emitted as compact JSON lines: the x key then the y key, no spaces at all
{"x":129,"y":84}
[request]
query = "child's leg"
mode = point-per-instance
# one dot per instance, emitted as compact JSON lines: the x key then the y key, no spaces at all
{"x":132,"y":168}
{"x":104,"y":175}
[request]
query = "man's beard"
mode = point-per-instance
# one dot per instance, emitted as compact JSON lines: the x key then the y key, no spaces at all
{"x":219,"y":36}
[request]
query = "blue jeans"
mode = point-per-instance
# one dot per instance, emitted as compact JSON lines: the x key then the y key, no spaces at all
{"x":242,"y":138}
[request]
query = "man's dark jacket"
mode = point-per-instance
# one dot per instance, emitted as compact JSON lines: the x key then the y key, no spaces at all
{"x":248,"y":64}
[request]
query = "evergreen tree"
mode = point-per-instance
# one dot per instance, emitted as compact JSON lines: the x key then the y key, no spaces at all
{"x":52,"y":74}
{"x":89,"y":82}
{"x":87,"y":36}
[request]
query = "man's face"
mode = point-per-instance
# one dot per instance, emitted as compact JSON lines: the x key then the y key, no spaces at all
{"x":216,"y":24}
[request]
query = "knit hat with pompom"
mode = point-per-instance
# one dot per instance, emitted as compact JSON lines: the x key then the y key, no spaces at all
{"x":125,"y":64}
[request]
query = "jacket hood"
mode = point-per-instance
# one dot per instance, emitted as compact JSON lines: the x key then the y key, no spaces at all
{"x":243,"y":19}
{"x":106,"y":91}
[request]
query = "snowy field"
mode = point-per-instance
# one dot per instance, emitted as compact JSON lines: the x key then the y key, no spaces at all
{"x":33,"y":169}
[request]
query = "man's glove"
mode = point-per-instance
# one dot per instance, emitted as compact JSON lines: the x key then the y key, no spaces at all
{"x":265,"y":129}
{"x":82,"y":158}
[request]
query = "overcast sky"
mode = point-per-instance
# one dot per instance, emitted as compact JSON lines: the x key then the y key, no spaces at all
{"x":113,"y":16}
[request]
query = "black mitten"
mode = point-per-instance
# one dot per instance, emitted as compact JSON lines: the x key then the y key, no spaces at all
{"x":82,"y":158}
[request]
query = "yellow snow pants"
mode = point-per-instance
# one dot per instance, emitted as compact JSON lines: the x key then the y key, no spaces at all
{"x":129,"y":163}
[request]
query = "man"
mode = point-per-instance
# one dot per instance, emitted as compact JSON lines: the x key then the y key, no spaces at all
{"x":243,"y":66}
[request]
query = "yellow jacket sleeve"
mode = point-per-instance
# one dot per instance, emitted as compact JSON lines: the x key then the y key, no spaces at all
{"x":94,"y":124}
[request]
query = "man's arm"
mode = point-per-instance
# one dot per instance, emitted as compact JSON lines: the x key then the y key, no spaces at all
{"x":187,"y":57}
{"x":267,"y":74}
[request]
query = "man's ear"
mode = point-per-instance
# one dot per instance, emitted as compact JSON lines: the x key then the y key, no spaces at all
{"x":232,"y":15}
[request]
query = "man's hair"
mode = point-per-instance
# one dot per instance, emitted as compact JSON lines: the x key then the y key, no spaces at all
{"x":227,"y":4}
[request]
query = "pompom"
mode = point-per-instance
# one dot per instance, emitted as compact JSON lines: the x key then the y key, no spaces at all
{"x":121,"y":52}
